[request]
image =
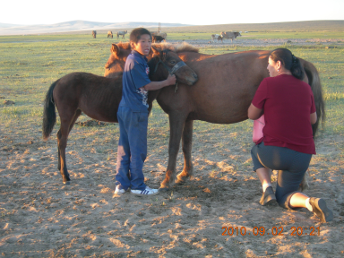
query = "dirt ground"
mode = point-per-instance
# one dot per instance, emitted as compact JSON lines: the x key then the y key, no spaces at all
{"x":214,"y":214}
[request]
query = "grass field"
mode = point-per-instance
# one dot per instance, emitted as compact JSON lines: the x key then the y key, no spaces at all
{"x":29,"y":64}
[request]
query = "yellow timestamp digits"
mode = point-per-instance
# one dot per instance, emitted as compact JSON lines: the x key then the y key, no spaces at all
{"x":274,"y":231}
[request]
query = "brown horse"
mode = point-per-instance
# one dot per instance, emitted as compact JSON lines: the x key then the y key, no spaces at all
{"x":223,"y":93}
{"x":109,"y":34}
{"x":99,"y":97}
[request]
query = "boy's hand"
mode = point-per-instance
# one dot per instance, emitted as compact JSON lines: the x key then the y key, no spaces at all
{"x":171,"y":79}
{"x":157,"y":85}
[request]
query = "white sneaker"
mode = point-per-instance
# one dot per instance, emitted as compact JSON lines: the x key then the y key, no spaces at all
{"x":119,"y":190}
{"x":147,"y":191}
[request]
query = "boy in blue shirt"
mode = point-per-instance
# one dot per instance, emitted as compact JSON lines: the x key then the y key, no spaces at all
{"x":133,"y":116}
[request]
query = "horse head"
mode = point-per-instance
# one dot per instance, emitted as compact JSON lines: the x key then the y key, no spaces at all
{"x":172,"y":64}
{"x":116,"y":61}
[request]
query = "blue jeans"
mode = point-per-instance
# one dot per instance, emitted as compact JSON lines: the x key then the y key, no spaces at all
{"x":132,"y":148}
{"x":292,"y":166}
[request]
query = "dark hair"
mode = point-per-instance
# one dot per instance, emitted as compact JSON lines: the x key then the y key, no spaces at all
{"x":289,"y":61}
{"x":136,"y":34}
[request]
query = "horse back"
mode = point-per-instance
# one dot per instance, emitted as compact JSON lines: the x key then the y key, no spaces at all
{"x":224,"y":90}
{"x":97,"y":96}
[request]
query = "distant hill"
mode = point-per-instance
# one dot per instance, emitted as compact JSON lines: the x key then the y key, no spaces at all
{"x":275,"y":26}
{"x":87,"y":26}
{"x":11,"y":29}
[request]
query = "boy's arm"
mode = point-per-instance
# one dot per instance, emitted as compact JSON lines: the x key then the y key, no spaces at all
{"x":171,"y":79}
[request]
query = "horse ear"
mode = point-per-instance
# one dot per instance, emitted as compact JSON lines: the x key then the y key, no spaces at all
{"x":114,"y":49}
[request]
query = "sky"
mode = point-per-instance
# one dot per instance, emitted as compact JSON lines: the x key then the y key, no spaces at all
{"x":200,"y":12}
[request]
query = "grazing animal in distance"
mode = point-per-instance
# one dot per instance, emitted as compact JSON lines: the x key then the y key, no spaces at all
{"x":122,"y":33}
{"x":94,"y":34}
{"x":230,"y":35}
{"x":216,"y":36}
{"x":161,"y":34}
{"x":220,"y":38}
{"x":109,"y":34}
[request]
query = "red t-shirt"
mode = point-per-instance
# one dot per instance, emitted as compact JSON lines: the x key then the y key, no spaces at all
{"x":287,"y":103}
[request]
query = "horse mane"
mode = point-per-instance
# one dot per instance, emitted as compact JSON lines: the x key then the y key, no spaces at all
{"x":183,"y":47}
{"x":124,"y":45}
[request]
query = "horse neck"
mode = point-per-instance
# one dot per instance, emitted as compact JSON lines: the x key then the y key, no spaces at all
{"x":157,"y":75}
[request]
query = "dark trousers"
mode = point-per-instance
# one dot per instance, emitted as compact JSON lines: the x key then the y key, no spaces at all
{"x":292,"y":166}
{"x":132,"y":148}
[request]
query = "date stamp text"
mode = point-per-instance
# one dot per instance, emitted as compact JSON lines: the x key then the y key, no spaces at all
{"x":274,"y":231}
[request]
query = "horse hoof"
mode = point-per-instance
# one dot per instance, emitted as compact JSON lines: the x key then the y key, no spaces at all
{"x":165,"y":189}
{"x":66,"y":183}
{"x":180,"y":181}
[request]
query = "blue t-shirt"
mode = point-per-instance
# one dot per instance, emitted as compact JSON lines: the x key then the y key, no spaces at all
{"x":135,"y":76}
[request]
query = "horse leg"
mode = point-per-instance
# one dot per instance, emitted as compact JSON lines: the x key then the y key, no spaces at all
{"x":58,"y":151}
{"x":62,"y":135}
{"x":176,"y":129}
{"x":187,"y":147}
{"x":61,"y":145}
{"x":75,"y":117}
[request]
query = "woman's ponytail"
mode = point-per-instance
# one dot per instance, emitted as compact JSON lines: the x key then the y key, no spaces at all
{"x":296,"y":68}
{"x":289,"y":61}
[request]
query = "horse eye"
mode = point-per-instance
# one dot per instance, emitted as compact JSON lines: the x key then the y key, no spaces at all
{"x":173,"y":62}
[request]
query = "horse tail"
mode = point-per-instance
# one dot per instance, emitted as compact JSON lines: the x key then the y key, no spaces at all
{"x":314,"y":82}
{"x":49,"y":115}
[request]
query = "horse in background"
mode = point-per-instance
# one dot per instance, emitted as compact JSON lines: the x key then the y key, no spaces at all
{"x":223,"y":93}
{"x":161,"y":34}
{"x":216,"y":36}
{"x":109,"y":34}
{"x":94,"y":34}
{"x":98,"y":97}
{"x":157,"y":39}
{"x":230,"y":35}
{"x":121,"y":33}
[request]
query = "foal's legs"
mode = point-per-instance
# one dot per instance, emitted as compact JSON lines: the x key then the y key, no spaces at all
{"x":177,"y":121}
{"x":187,"y":148}
{"x":62,"y":135}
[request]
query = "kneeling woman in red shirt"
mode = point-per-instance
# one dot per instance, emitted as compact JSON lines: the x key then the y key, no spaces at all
{"x":287,"y":145}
